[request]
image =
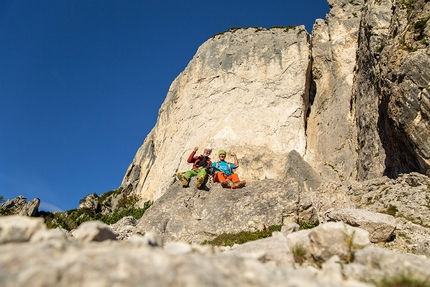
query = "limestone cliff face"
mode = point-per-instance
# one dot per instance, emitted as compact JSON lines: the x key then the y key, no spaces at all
{"x":245,"y":91}
{"x":391,"y":89}
{"x":369,"y":113}
{"x":352,"y":99}
{"x":331,"y":129}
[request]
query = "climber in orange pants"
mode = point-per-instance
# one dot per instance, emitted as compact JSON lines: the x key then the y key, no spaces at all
{"x":223,"y":171}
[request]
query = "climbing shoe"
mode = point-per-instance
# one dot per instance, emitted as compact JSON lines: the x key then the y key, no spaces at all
{"x":225,"y":184}
{"x":200,"y":181}
{"x":239,"y":184}
{"x":182,"y":178}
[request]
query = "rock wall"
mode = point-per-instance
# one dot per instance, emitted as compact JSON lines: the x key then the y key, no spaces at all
{"x":404,"y":84}
{"x":244,"y":91}
{"x":331,"y":129}
{"x":352,"y":99}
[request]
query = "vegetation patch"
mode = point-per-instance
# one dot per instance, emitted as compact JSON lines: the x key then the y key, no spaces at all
{"x":402,"y":280}
{"x":307,"y":225}
{"x":286,"y":28}
{"x":352,"y":247}
{"x":391,"y":210}
{"x":227,"y":239}
{"x":71,"y":219}
{"x":408,"y":5}
{"x":105,"y":195}
{"x":299,"y":253}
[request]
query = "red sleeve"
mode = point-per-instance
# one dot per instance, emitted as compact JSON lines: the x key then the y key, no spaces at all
{"x":191,"y":158}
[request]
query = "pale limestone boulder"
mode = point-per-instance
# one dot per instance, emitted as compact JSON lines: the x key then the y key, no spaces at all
{"x":331,"y":270}
{"x":336,"y":238}
{"x":372,"y":263}
{"x":148,"y":239}
{"x":49,"y":235}
{"x":244,"y":91}
{"x":272,"y":249}
{"x":16,"y":228}
{"x":113,"y":263}
{"x":380,"y":226}
{"x":176,"y":248}
{"x":93,"y":231}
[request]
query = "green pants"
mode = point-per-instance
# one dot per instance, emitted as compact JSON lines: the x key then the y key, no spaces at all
{"x":195,"y":172}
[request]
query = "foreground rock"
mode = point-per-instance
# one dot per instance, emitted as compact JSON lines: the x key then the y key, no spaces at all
{"x":80,"y":261}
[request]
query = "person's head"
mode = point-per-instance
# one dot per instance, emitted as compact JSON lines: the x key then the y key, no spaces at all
{"x":207,"y":151}
{"x":222,"y":154}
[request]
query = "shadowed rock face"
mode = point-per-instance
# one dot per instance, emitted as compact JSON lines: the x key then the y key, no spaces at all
{"x":391,"y":89}
{"x":405,"y":101}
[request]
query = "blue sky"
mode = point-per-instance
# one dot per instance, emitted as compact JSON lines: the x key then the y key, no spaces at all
{"x":81,"y":82}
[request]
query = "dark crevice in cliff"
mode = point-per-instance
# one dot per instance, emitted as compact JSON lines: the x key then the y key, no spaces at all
{"x":311,"y":91}
{"x":400,"y":155}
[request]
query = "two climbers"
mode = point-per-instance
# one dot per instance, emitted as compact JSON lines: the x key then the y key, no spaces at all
{"x":201,"y":167}
{"x":223,"y":171}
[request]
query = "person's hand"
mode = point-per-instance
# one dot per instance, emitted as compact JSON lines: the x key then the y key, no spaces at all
{"x":233,"y":154}
{"x":195,"y":149}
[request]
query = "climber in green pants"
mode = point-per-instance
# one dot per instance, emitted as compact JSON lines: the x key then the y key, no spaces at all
{"x":200,"y":165}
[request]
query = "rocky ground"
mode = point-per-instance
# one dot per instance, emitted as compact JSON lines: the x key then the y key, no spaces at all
{"x":360,"y":239}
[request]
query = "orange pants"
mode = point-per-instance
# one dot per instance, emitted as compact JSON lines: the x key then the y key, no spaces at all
{"x":222,"y":177}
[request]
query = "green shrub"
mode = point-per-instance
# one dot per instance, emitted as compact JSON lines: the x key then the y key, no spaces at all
{"x":299,"y":253}
{"x":105,"y":195}
{"x":227,"y":239}
{"x":391,"y":210}
{"x":127,"y":202}
{"x":71,"y":219}
{"x":117,"y":215}
{"x":307,"y":225}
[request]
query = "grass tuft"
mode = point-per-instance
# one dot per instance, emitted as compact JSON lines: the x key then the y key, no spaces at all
{"x":227,"y":239}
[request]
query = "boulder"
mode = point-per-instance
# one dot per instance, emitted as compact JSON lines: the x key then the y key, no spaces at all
{"x":380,"y":226}
{"x":124,"y":227}
{"x":15,"y":228}
{"x":192,"y":215}
{"x":93,"y":231}
{"x":336,"y":238}
{"x":377,"y":262}
{"x":273,"y":249}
